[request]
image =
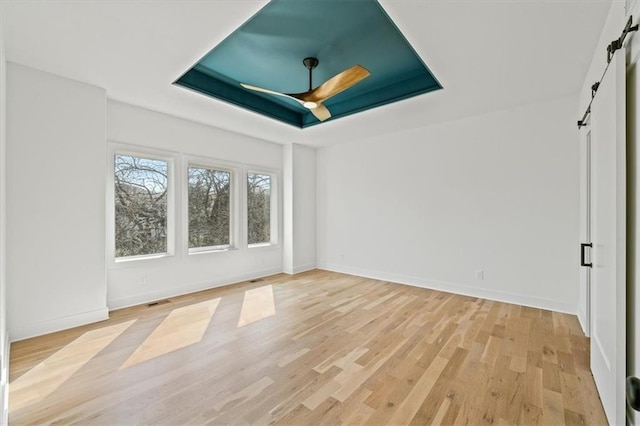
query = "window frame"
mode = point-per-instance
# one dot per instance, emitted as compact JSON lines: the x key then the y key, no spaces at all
{"x":274,"y":204}
{"x":114,"y":149}
{"x":233,"y":170}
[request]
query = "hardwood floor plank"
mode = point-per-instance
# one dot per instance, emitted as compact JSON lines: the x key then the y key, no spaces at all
{"x":553,"y":409}
{"x":316,"y":348}
{"x":414,"y":400}
{"x":590,"y":398}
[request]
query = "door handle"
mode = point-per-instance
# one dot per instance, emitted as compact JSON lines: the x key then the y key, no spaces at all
{"x":582,"y":256}
{"x":633,"y":392}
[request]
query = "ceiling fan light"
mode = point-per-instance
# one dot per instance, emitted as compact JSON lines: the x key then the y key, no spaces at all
{"x":309,"y":105}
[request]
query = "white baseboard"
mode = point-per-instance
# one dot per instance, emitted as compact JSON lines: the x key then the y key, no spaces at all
{"x":582,"y":319}
{"x":138,"y":299}
{"x":534,"y":302}
{"x":300,"y":268}
{"x":57,"y":324}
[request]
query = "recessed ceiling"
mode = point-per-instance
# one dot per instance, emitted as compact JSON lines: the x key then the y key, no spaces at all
{"x":488,"y":54}
{"x":268,"y":51}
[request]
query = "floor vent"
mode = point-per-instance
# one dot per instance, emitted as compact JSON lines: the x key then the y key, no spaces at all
{"x":158,"y":302}
{"x":257,"y":280}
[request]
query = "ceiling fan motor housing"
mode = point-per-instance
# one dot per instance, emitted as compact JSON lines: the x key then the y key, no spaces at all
{"x":310,"y":63}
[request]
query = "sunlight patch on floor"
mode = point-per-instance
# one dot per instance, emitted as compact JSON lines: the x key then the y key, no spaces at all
{"x":42,"y":380}
{"x":182,"y":327}
{"x":258,"y":304}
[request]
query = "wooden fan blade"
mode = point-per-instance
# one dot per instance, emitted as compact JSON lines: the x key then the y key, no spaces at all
{"x":321,"y":112}
{"x":337,"y":84}
{"x":270,"y":92}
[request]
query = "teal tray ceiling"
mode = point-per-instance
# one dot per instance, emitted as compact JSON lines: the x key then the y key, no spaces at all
{"x":267,"y":51}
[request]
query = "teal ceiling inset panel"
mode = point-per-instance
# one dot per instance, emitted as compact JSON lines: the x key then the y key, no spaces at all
{"x":267,"y":51}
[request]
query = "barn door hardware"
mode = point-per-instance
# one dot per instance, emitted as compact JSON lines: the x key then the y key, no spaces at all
{"x":582,"y":255}
{"x":611,"y":49}
{"x":617,"y":44}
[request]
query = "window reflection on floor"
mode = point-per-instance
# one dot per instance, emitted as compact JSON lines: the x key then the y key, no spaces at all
{"x":258,"y":304}
{"x":59,"y":367}
{"x":182,"y":327}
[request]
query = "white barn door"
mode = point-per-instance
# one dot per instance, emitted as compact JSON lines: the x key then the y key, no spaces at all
{"x":584,"y":294}
{"x":608,"y":277}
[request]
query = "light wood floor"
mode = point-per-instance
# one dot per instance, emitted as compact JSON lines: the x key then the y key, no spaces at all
{"x":318,"y":347}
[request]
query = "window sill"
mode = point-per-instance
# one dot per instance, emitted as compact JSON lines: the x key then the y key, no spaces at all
{"x":130,"y":259}
{"x":259,"y":245}
{"x":208,"y":250}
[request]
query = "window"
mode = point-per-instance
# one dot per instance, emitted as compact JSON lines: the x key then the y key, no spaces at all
{"x":140,"y":196}
{"x":259,"y":208}
{"x":146,"y":223}
{"x":209,"y":207}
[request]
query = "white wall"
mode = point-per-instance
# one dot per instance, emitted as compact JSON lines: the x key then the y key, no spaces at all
{"x":304,"y":208}
{"x":55,"y":202}
{"x":431,"y":207}
{"x":61,"y":273}
{"x":4,"y":344}
{"x":299,"y":208}
{"x":184,"y":273}
{"x":287,"y":204}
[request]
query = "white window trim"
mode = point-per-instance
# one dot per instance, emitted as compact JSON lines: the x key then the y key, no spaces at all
{"x":275,"y":203}
{"x":234,"y":231}
{"x":116,"y":148}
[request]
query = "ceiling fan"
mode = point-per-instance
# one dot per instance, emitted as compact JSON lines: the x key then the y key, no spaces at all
{"x":314,"y":99}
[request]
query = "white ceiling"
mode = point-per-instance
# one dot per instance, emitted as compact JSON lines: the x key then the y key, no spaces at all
{"x":488,"y":55}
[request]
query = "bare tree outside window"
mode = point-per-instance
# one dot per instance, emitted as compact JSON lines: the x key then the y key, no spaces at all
{"x":259,"y":208}
{"x":209,"y":207}
{"x":140,"y":206}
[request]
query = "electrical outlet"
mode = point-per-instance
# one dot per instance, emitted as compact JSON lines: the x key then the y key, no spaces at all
{"x":479,"y":274}
{"x":142,"y":279}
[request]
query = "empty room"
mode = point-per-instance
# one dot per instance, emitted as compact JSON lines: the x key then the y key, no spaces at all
{"x":376,"y":212}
